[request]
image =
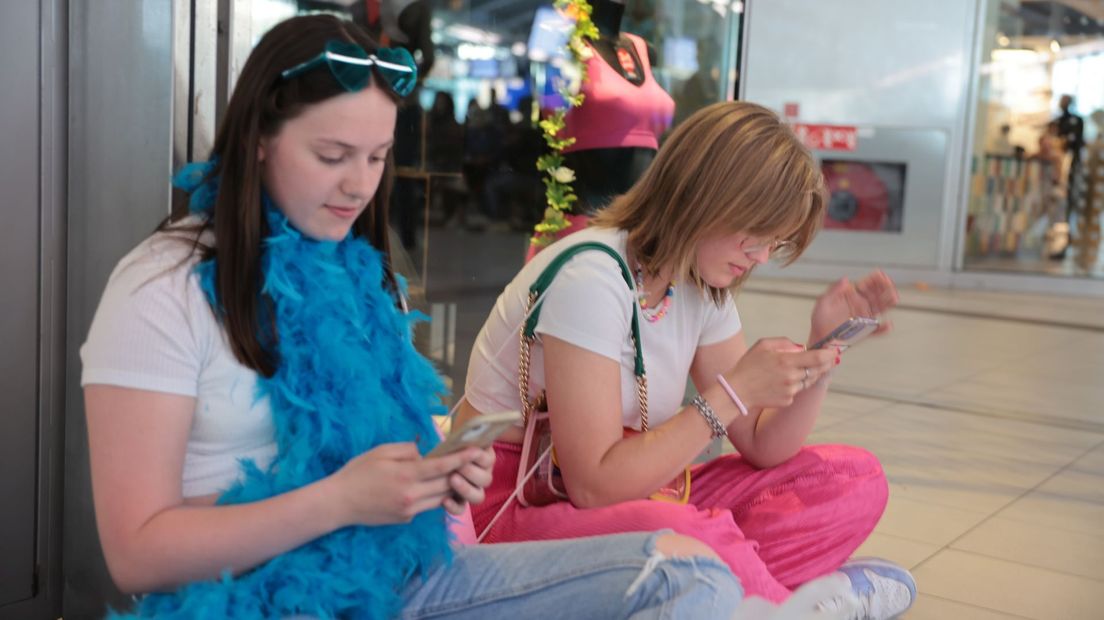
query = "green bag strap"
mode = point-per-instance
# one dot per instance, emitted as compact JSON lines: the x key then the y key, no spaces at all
{"x":544,"y":280}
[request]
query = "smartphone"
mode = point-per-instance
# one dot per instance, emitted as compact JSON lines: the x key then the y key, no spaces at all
{"x":849,"y":333}
{"x":480,"y":431}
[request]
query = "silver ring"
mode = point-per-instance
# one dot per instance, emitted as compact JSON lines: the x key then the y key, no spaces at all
{"x":806,"y":373}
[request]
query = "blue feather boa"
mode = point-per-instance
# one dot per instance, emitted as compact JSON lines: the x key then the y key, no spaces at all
{"x":348,"y":379}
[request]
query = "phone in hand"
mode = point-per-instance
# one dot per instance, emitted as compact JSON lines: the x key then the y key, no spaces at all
{"x":480,"y":432}
{"x":848,"y":333}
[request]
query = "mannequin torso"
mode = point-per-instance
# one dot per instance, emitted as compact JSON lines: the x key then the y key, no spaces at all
{"x":606,"y":166}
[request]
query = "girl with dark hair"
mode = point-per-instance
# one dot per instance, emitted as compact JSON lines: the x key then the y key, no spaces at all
{"x":258,"y":415}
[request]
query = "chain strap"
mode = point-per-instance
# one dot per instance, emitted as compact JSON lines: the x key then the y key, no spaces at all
{"x":524,"y":358}
{"x":527,"y":406}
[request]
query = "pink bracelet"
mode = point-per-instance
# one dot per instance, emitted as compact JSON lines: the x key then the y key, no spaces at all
{"x":732,"y":394}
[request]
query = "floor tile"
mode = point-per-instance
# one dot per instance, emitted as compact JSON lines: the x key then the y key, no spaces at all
{"x":1046,"y":547}
{"x":981,"y":498}
{"x":1083,"y":348}
{"x":928,"y":607}
{"x":971,"y":462}
{"x":984,"y":431}
{"x":903,"y":381}
{"x":1072,"y":501}
{"x":1063,"y":367}
{"x":1042,"y":399}
{"x":1078,"y":310}
{"x":926,"y":523}
{"x":902,"y":551}
{"x":1010,"y":587}
{"x":1092,"y":463}
{"x":850,"y":402}
{"x":839,"y":407}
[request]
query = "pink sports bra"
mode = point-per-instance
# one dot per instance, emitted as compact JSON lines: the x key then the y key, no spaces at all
{"x":617,"y":113}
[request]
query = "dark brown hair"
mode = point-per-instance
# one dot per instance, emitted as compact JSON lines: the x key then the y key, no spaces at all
{"x":261,"y":103}
{"x":731,"y":167}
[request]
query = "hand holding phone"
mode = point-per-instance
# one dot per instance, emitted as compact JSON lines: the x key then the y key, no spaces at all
{"x":480,"y":432}
{"x":848,"y":333}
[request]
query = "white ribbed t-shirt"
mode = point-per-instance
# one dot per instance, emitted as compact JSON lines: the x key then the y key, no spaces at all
{"x":154,"y":330}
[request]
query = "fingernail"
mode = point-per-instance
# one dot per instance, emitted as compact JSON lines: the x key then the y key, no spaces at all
{"x":837,"y":360}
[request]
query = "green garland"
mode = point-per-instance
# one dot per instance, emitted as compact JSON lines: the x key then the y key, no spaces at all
{"x":558,"y":178}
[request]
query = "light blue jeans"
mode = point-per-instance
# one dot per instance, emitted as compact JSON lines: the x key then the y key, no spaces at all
{"x":606,"y":577}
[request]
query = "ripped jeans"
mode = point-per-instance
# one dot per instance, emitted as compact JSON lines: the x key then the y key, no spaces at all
{"x":619,"y":576}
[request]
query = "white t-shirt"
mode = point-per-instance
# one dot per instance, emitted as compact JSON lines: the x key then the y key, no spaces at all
{"x":154,"y":330}
{"x":590,"y":306}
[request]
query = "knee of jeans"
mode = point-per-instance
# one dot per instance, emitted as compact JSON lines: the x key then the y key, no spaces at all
{"x":679,"y":546}
{"x":687,"y":564}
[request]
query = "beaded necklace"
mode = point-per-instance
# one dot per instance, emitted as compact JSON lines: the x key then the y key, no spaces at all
{"x":642,"y":297}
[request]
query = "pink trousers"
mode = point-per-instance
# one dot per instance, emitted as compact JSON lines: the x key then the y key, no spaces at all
{"x":776,"y":528}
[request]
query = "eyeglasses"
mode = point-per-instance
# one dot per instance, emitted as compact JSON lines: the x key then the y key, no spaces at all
{"x":774,"y":248}
{"x":351,"y":66}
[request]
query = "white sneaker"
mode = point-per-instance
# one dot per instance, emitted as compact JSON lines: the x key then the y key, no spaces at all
{"x":883,"y":589}
{"x":804,"y":603}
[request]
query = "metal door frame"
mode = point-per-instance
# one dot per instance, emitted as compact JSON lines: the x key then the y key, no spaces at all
{"x":52,"y":88}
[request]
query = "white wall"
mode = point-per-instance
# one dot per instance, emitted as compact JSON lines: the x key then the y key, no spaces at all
{"x":880,"y":64}
{"x":896,"y":63}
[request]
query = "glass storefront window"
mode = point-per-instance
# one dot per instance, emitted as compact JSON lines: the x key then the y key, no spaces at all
{"x":467,"y":193}
{"x":1036,"y":192}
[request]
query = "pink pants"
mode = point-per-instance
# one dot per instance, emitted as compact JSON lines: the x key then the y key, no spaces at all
{"x":776,"y":528}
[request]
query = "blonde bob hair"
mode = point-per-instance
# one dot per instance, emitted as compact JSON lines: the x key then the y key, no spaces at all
{"x":732,"y":167}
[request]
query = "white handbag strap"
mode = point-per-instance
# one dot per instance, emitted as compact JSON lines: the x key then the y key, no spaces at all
{"x":514,"y":495}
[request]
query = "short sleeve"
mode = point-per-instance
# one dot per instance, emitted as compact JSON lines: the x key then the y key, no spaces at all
{"x":589,"y":305}
{"x":721,"y":323}
{"x":149,"y":329}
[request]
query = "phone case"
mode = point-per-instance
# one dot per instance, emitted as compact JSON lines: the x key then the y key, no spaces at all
{"x":480,"y":431}
{"x":848,"y":333}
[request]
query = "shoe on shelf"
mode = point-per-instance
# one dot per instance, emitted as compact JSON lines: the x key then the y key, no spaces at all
{"x":884,"y":590}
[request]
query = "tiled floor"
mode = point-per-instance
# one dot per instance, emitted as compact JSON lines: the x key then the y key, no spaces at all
{"x":1068,"y":311}
{"x":992,"y":436}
